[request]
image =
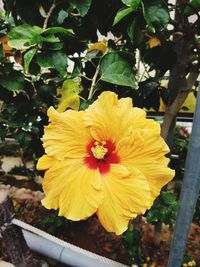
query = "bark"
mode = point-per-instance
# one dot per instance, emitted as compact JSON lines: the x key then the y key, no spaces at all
{"x":182,"y":78}
{"x":184,"y":74}
{"x":19,"y":252}
{"x":173,"y":109}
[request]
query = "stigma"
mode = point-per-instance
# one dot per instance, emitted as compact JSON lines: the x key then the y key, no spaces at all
{"x":99,"y":151}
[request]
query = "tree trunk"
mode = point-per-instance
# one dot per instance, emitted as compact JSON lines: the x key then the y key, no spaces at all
{"x":182,"y":78}
{"x":184,"y":74}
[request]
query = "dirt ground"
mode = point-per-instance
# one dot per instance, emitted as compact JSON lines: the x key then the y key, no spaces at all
{"x":90,"y":235}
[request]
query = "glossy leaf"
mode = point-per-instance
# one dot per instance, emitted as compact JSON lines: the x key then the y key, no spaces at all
{"x":116,"y":69}
{"x":54,"y":30}
{"x":24,"y":36}
{"x":62,"y":15}
{"x":193,"y":8}
{"x":56,"y":60}
{"x":28,"y":56}
{"x":82,"y":6}
{"x":156,"y":14}
{"x":135,"y":33}
{"x":132,"y":3}
{"x":122,"y":13}
{"x":14,"y":81}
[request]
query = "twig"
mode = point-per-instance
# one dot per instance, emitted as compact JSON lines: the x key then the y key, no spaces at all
{"x":144,"y":72}
{"x":138,"y":65}
{"x":48,"y":16}
{"x":75,"y":14}
{"x":93,"y":82}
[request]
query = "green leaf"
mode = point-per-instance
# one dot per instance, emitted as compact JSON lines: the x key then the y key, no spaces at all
{"x":82,"y":6}
{"x":85,"y":104}
{"x":192,"y":8}
{"x":62,"y":15}
{"x":24,"y":36}
{"x":28,"y":56}
{"x":128,"y":237}
{"x":23,"y":138}
{"x":134,"y":32}
{"x":123,"y":12}
{"x":132,"y":3}
{"x":54,"y":30}
{"x":49,"y":39}
{"x":52,"y":46}
{"x":169,"y":198}
{"x":156,"y":14}
{"x":56,"y":60}
{"x":116,"y":69}
{"x":14,"y":81}
{"x":119,"y":73}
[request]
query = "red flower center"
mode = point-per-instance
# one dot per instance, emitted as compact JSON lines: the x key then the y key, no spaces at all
{"x":100,"y":155}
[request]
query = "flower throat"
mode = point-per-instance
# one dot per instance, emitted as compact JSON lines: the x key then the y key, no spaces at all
{"x":99,"y":151}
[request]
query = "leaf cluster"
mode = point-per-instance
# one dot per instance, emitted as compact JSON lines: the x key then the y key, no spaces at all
{"x":48,"y":47}
{"x":164,"y":209}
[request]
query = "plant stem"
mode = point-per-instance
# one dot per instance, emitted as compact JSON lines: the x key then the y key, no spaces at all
{"x":138,"y":66}
{"x":48,"y":16}
{"x":93,"y":82}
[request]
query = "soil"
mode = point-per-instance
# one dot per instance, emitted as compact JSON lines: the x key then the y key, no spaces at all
{"x":90,"y":235}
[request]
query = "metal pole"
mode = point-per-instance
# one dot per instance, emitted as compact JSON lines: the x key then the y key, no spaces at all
{"x":189,"y":193}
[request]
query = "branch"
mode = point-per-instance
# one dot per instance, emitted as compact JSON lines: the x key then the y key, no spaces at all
{"x":176,"y":105}
{"x":93,"y":82}
{"x":138,"y":66}
{"x":48,"y":16}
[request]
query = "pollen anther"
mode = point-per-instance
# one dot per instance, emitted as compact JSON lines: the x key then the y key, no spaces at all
{"x":99,"y":151}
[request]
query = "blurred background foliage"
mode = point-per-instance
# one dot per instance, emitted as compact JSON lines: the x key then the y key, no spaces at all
{"x":64,"y":53}
{"x":52,"y":52}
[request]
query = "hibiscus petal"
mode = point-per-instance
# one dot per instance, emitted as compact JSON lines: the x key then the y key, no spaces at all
{"x":127,"y":194}
{"x":157,"y":174}
{"x":144,"y":143}
{"x":45,"y":162}
{"x":73,"y":188}
{"x":106,"y":118}
{"x":146,"y":151}
{"x":66,"y":135}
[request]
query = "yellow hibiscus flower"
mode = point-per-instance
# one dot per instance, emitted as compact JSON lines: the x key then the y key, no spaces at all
{"x":109,"y":160}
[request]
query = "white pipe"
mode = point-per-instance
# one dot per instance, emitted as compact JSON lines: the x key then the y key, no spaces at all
{"x":50,"y":246}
